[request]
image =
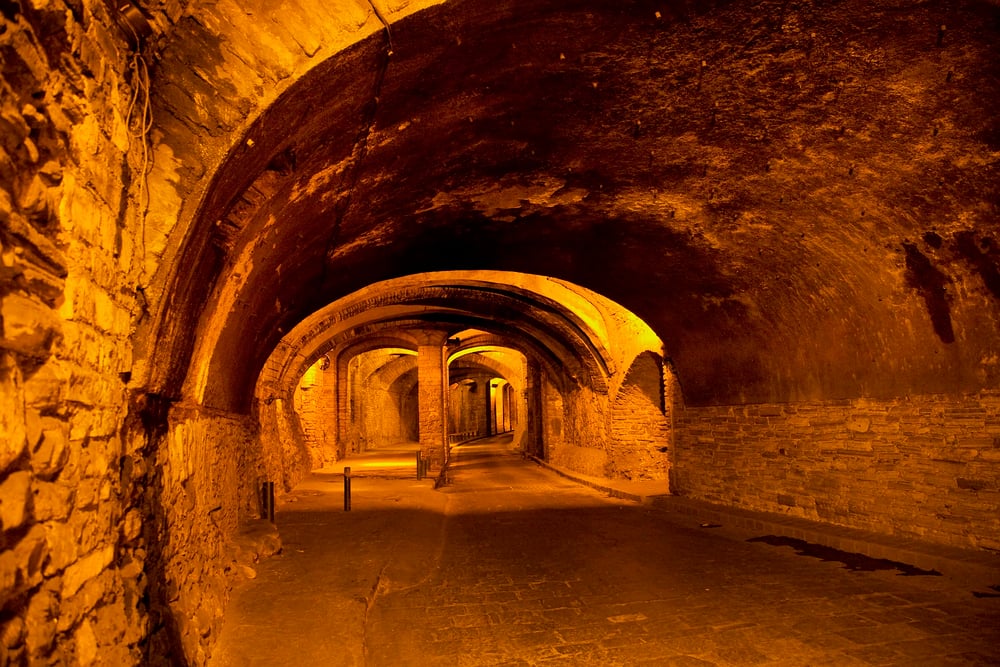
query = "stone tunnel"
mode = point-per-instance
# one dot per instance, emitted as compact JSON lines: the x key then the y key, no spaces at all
{"x":749,"y":249}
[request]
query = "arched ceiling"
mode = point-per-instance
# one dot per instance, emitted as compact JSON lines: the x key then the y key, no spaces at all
{"x":578,"y":336}
{"x":475,"y":361}
{"x":801,"y":198}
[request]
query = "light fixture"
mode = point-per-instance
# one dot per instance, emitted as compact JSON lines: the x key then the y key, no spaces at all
{"x":132,"y":21}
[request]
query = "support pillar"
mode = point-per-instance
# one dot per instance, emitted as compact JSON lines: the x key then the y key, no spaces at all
{"x":432,"y":396}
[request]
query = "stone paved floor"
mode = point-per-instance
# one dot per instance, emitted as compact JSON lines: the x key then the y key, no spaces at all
{"x":510,"y":564}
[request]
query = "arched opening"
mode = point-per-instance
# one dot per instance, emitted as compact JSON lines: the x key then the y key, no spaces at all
{"x":437,"y":359}
{"x":380,"y":386}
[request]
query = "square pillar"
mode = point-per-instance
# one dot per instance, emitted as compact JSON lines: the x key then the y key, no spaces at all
{"x":432,"y":396}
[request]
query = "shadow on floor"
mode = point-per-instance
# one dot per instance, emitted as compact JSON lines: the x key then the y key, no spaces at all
{"x":852,"y":561}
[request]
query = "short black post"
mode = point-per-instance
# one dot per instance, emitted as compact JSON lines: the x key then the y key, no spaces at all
{"x":270,"y":501}
{"x":347,"y":489}
{"x":264,"y":508}
{"x":420,"y":466}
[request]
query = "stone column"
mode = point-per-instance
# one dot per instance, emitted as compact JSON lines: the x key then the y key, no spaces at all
{"x":432,"y":396}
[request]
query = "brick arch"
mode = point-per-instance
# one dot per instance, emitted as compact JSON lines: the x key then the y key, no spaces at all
{"x":405,"y":386}
{"x":560,"y":339}
{"x":487,"y":365}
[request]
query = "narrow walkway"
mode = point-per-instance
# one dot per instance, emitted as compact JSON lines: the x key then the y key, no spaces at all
{"x":511,"y":564}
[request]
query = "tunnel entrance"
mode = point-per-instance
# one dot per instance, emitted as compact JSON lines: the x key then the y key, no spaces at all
{"x":429,"y":361}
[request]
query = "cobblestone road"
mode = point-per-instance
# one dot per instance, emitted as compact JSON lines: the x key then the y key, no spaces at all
{"x":518,"y":566}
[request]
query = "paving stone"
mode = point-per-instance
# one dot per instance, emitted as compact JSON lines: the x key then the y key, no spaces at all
{"x":569,"y":579}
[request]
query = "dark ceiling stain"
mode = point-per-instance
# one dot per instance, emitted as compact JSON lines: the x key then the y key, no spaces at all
{"x":986,"y":264}
{"x":931,"y":284}
{"x":933,"y":239}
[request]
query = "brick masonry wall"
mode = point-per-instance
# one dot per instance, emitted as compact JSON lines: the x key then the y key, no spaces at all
{"x":926,"y":467}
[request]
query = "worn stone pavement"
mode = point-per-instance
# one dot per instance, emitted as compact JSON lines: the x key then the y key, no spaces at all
{"x":511,"y":564}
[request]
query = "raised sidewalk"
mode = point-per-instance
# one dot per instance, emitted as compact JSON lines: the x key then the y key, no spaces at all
{"x":968,"y":566}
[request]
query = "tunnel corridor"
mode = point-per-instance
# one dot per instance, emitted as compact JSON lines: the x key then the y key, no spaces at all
{"x":741,"y":255}
{"x":450,"y":356}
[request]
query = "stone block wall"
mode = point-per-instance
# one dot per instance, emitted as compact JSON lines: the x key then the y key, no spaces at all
{"x":926,"y":467}
{"x":626,"y":436}
{"x":72,"y":550}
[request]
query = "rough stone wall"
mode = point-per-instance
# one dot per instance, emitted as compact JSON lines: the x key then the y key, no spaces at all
{"x":582,"y":440}
{"x":627,"y":437}
{"x":285,"y":455}
{"x":926,"y":466}
{"x":197,"y":502}
{"x":73,"y":543}
{"x":640,"y":432}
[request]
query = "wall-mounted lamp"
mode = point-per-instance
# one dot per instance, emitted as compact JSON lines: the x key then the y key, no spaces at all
{"x":131,"y":20}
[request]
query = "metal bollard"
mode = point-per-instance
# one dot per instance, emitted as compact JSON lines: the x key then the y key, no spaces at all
{"x":270,"y":501}
{"x":420,"y":466}
{"x":347,"y":489}
{"x":267,"y":501}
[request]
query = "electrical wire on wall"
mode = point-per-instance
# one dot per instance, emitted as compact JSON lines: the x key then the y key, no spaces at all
{"x":139,"y":116}
{"x":140,"y":121}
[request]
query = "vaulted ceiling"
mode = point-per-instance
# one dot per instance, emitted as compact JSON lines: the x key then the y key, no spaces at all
{"x":800,"y":198}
